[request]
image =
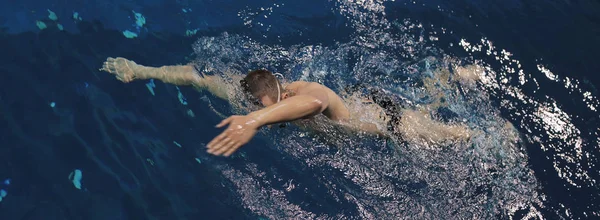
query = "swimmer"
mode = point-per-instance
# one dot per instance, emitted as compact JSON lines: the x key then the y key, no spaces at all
{"x":300,"y":102}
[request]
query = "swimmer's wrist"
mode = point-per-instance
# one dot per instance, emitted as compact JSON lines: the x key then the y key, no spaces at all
{"x":255,"y":120}
{"x":143,"y":72}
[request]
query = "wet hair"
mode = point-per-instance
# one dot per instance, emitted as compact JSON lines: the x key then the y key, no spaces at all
{"x":259,"y":83}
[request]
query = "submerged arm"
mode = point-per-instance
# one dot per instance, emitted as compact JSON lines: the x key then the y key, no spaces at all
{"x":355,"y":125}
{"x":127,"y":71}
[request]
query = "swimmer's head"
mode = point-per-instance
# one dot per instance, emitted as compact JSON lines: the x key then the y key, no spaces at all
{"x":263,"y":86}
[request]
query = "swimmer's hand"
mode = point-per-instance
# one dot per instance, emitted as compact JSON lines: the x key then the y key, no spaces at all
{"x":123,"y":69}
{"x":239,"y":132}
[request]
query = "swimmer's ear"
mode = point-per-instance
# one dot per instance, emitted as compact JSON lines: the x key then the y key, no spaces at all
{"x":285,"y":95}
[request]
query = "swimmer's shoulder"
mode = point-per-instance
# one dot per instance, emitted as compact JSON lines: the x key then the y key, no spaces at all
{"x":304,"y":84}
{"x":298,"y":86}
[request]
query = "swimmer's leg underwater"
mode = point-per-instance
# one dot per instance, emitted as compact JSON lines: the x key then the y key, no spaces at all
{"x":414,"y":125}
{"x":126,"y":71}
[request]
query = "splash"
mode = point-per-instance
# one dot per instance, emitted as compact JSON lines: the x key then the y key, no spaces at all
{"x":542,"y":118}
{"x":485,"y":176}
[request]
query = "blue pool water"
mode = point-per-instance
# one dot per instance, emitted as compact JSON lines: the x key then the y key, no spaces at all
{"x":75,"y":143}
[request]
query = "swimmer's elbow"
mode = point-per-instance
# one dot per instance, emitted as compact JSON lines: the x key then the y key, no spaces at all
{"x":317,"y":106}
{"x":321,"y":103}
{"x":317,"y":93}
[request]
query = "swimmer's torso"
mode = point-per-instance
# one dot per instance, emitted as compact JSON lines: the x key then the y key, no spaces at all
{"x":352,"y":111}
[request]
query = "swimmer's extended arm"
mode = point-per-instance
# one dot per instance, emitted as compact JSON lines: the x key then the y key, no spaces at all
{"x":126,"y":71}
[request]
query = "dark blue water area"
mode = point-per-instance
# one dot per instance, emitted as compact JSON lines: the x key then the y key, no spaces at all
{"x":110,"y":130}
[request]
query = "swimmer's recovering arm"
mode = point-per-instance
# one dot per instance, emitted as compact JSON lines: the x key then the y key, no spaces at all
{"x":308,"y":101}
{"x":126,"y":71}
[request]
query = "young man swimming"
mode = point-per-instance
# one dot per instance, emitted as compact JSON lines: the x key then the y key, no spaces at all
{"x":293,"y":102}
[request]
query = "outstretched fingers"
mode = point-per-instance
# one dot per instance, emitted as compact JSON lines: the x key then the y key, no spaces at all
{"x":232,"y":149}
{"x":226,"y":147}
{"x":120,"y":68}
{"x":110,"y":66}
{"x":216,"y":142}
{"x":106,"y":66}
{"x":231,"y":138}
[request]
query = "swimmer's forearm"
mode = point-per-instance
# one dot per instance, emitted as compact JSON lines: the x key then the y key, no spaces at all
{"x":290,"y":109}
{"x":362,"y":127}
{"x":184,"y":76}
{"x":178,"y":75}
